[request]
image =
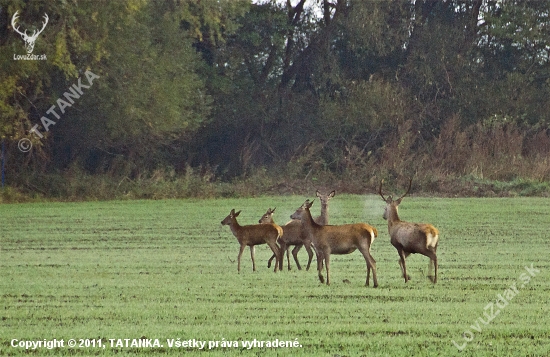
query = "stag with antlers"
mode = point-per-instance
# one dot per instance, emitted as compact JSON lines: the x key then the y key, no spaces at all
{"x":409,"y":238}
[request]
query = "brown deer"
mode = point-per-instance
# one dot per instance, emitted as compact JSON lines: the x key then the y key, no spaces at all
{"x":410,"y":238}
{"x":342,"y":239}
{"x":293,"y":233}
{"x":253,"y":235}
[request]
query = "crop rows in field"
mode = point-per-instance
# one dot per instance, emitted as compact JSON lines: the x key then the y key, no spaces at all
{"x":167,"y":270}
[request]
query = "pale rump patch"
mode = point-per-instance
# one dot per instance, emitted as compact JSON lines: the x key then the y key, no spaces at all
{"x":431,"y":240}
{"x":372,"y":236}
{"x":279,"y":230}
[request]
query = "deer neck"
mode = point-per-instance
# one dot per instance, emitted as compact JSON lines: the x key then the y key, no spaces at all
{"x":308,"y":221}
{"x":393,"y":217}
{"x":235,"y":227}
{"x":323,"y":218}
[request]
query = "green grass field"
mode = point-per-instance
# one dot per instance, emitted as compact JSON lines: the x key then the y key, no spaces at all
{"x":103,"y":272}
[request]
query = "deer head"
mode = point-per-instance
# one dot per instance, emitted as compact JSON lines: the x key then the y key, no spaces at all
{"x":29,"y":40}
{"x":392,"y":204}
{"x":301,"y":210}
{"x":230,"y":218}
{"x":268,"y":216}
{"x":324,"y":198}
{"x":323,"y":218}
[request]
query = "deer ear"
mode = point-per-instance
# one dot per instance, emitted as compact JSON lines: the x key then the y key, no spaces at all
{"x":309,"y":204}
{"x":332,"y":194}
{"x":232,"y":212}
{"x":236,"y":214}
{"x":273,"y":210}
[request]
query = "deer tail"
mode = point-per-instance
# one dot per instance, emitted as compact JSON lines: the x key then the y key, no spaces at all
{"x":375,"y":231}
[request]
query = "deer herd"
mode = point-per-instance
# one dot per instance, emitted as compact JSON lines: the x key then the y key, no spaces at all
{"x":316,"y":235}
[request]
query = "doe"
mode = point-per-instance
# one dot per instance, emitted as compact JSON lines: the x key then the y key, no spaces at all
{"x":341,"y":239}
{"x":253,"y":235}
{"x":295,"y":235}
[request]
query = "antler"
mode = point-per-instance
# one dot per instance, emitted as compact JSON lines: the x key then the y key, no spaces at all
{"x":380,"y":191}
{"x":410,"y":184}
{"x":16,"y":29}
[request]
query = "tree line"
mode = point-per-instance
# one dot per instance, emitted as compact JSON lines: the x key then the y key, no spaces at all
{"x":302,"y":89}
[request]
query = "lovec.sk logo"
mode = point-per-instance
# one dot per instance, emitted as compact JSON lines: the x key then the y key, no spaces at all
{"x":29,"y":40}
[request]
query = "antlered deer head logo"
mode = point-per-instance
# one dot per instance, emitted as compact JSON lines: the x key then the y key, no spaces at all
{"x":29,"y":40}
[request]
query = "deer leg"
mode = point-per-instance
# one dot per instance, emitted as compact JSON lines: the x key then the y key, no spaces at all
{"x":241,"y":250}
{"x":273,"y":256}
{"x":252,"y":249}
{"x":282,"y":249}
{"x":361,"y":249}
{"x":430,"y":269}
{"x":402,"y":256}
{"x":408,"y":276}
{"x":320,"y":258}
{"x":327,"y":264}
{"x":371,"y":265}
{"x":270,"y":260}
{"x":278,"y":254}
{"x":295,"y":255}
{"x":433,"y":260}
{"x":435,"y":270}
{"x":309,"y":253}
{"x":287,"y":257}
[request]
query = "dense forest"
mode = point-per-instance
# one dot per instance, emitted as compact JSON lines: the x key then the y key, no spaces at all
{"x":179,"y":98}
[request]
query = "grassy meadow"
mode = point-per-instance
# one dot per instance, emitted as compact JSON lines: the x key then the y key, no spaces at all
{"x":166,"y":270}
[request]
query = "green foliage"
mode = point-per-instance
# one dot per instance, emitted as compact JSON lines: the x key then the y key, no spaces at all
{"x":236,"y":86}
{"x":147,"y":96}
{"x":211,"y":20}
{"x":361,"y":107}
{"x":154,"y":92}
{"x":375,"y":27}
